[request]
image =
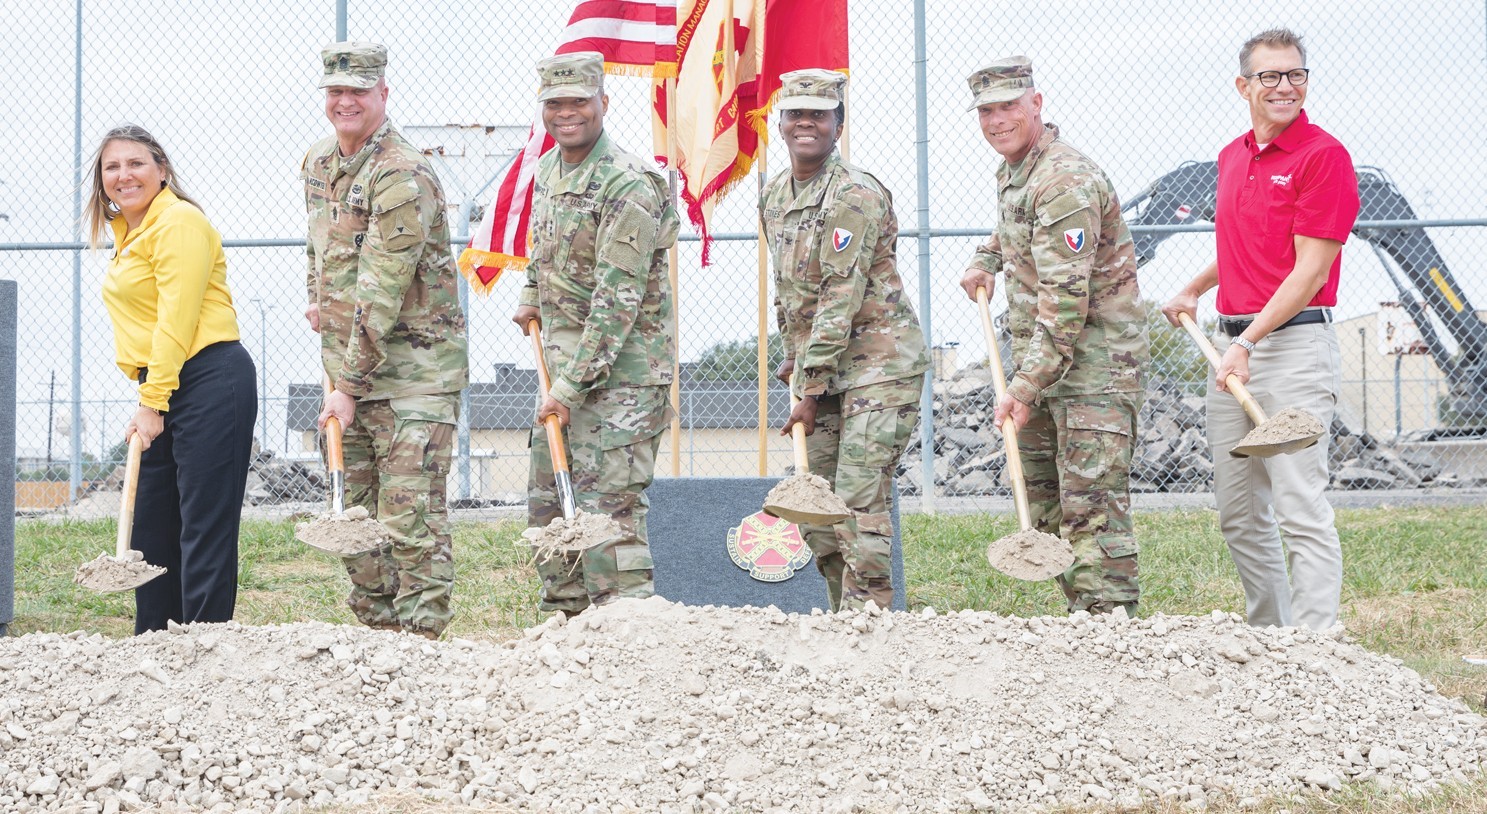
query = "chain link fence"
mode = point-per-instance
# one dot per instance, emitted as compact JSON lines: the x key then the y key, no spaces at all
{"x":1145,"y":87}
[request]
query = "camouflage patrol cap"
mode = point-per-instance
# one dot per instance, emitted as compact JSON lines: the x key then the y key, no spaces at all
{"x":1001,"y":81}
{"x":353,"y":64}
{"x":811,"y":89}
{"x":579,"y":75}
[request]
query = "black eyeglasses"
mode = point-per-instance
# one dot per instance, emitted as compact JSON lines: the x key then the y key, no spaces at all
{"x":1271,"y":79}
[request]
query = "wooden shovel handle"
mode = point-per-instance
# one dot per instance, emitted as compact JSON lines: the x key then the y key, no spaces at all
{"x":126,"y":499}
{"x":1251,"y":407}
{"x":797,"y":436}
{"x":1009,"y":426}
{"x":551,"y":424}
{"x":335,"y":454}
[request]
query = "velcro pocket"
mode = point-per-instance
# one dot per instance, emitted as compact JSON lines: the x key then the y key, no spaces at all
{"x":633,"y":558}
{"x":395,"y":210}
{"x":630,"y":414}
{"x":1068,"y":223}
{"x":843,"y":235}
{"x":630,"y":242}
{"x":1098,"y":445}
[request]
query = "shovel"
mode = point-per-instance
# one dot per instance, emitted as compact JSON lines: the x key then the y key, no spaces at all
{"x":803,"y":498}
{"x":1027,"y":553}
{"x":575,"y":531}
{"x":127,"y":569}
{"x":1287,"y":431}
{"x":340,"y":532}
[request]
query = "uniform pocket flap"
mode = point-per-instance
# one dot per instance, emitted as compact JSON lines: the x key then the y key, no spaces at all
{"x":1098,"y":418}
{"x":1062,"y":207}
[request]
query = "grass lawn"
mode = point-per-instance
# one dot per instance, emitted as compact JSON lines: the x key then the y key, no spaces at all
{"x":1415,"y":588}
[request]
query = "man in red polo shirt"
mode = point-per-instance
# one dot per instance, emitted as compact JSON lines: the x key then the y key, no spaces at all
{"x":1287,"y":199}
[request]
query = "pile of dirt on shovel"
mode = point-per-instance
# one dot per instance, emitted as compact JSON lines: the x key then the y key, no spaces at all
{"x":1286,"y":425}
{"x":806,"y":492}
{"x":642,"y":705}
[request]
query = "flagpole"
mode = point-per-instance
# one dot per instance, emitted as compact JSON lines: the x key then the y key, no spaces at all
{"x":845,"y":145}
{"x":676,"y":297}
{"x":763,"y":326}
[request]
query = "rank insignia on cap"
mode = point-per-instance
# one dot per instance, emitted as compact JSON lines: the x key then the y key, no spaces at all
{"x":769,"y":548}
{"x":343,"y":63}
{"x":1074,"y":239}
{"x":841,"y":239}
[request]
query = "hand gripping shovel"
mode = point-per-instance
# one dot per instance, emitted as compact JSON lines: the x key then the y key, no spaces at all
{"x":575,"y":531}
{"x":1027,"y":553}
{"x":345,"y":533}
{"x":127,"y":569}
{"x":803,"y":498}
{"x":1287,"y":431}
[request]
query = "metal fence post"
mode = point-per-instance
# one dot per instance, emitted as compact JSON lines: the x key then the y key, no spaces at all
{"x":75,"y":474}
{"x":340,"y":20}
{"x":926,"y":318}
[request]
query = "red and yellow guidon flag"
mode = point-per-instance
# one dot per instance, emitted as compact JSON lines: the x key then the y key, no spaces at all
{"x":719,"y":47}
{"x":637,"y":38}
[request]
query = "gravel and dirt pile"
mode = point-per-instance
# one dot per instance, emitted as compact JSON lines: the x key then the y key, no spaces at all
{"x":649,"y":706}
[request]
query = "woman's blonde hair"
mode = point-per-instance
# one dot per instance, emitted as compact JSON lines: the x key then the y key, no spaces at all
{"x":100,"y":210}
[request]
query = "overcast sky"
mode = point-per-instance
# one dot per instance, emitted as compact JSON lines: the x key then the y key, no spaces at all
{"x":1141,"y":86}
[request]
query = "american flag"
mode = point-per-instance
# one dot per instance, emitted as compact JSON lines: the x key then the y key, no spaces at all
{"x":637,"y":38}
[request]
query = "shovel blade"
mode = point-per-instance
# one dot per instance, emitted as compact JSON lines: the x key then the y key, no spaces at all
{"x":1243,"y":450}
{"x":804,"y":517}
{"x":108,"y":575}
{"x":1031,"y":555}
{"x":342,"y":536}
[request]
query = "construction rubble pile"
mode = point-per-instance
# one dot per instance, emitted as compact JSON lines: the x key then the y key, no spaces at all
{"x":643,"y":705}
{"x":1171,"y":453}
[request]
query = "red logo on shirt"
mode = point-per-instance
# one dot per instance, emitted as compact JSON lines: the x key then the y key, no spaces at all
{"x":841,"y":239}
{"x":1074,"y":238}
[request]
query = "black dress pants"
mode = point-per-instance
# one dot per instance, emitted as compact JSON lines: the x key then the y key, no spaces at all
{"x":191,"y":483}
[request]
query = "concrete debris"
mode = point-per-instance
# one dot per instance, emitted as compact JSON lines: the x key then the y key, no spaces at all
{"x":1171,"y":452}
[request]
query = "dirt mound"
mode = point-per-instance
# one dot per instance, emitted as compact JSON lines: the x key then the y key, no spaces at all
{"x":651,"y":706}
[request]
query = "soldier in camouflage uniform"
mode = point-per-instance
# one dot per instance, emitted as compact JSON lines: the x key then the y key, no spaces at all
{"x":383,"y":296}
{"x":1078,"y":335}
{"x":598,"y":282}
{"x":851,"y":336}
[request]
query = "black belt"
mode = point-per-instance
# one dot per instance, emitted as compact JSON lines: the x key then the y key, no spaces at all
{"x":1235,"y":327}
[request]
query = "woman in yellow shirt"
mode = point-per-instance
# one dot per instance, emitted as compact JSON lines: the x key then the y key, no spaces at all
{"x":176,"y":333}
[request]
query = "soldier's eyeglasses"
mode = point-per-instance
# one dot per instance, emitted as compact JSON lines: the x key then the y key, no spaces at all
{"x":1271,"y":79}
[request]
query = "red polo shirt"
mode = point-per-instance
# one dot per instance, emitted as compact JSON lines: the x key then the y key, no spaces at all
{"x":1301,"y":184}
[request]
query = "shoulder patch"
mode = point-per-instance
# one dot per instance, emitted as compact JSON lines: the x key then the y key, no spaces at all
{"x":1074,"y":239}
{"x":841,"y":239}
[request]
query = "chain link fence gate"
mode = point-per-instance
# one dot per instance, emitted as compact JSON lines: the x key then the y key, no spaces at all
{"x":1144,"y":87}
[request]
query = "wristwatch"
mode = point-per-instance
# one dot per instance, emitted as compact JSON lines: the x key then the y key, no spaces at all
{"x":1243,"y":343}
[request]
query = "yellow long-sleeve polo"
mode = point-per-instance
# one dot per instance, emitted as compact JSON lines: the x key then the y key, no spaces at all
{"x":166,"y":294}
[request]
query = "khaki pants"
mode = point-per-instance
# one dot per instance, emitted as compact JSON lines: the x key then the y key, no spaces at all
{"x":1272,"y":511}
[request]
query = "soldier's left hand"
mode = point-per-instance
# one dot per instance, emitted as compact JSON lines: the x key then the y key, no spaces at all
{"x":1011,"y":406}
{"x":804,"y":413}
{"x":1236,"y":362}
{"x":340,"y":405}
{"x":551,"y":406}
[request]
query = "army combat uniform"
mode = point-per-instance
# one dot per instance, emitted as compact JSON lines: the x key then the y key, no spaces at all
{"x":1078,"y":345}
{"x":392,"y":336}
{"x":857,"y":347}
{"x":599,"y":275}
